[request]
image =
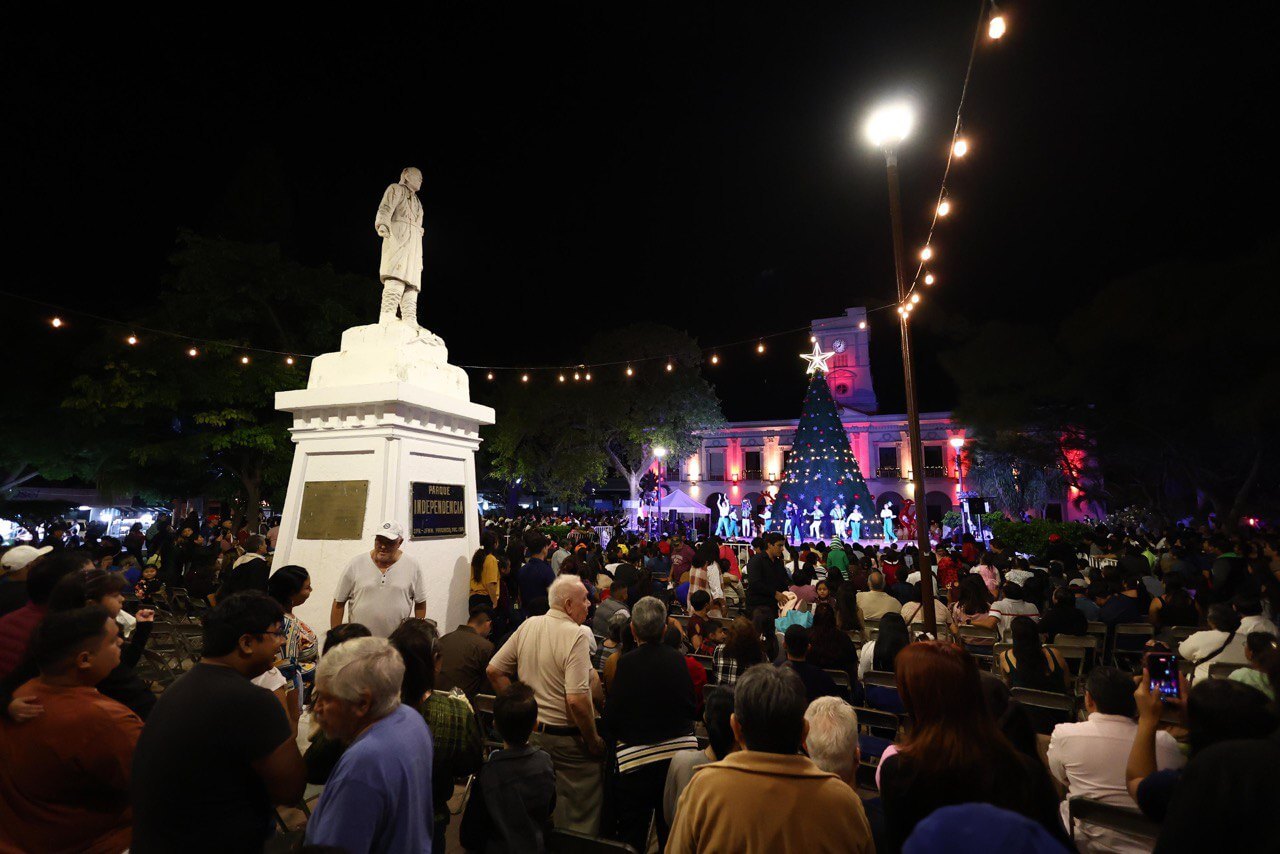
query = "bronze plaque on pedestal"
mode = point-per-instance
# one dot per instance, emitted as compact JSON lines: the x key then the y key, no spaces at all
{"x":333,"y":510}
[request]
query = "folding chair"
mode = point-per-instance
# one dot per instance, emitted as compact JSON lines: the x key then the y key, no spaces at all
{"x":881,"y":690}
{"x":968,"y":634}
{"x":1098,"y":630}
{"x":484,"y":717}
{"x":1048,"y":708}
{"x":1180,"y":633}
{"x":842,"y":680}
{"x":1223,"y":670}
{"x":562,"y":841}
{"x":1077,"y":651}
{"x":877,"y":730}
{"x":1112,"y":817}
{"x":708,"y":664}
{"x":1129,"y":643}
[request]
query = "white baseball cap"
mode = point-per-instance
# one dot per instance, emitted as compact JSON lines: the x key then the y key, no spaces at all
{"x":19,"y":556}
{"x":390,"y":530}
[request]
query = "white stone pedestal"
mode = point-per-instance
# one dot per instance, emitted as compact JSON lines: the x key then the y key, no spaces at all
{"x":388,"y":408}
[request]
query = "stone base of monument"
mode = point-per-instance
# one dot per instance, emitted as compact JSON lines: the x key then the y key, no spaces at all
{"x":383,"y":421}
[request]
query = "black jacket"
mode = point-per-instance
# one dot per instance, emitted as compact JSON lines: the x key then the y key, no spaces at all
{"x":765,"y":579}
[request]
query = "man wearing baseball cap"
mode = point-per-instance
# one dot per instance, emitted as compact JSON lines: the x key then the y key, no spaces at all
{"x":14,"y":566}
{"x":384,"y":587}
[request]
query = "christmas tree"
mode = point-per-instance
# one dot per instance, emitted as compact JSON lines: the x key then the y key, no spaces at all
{"x":821,"y":465}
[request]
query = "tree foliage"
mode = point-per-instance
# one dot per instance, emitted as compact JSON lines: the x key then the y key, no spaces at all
{"x":207,"y":425}
{"x":559,"y":437}
{"x":1170,"y":380}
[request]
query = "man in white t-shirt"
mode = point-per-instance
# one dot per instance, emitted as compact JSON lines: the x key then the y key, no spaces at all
{"x":384,"y":587}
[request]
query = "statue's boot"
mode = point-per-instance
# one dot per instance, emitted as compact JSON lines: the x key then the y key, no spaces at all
{"x":392,"y":291}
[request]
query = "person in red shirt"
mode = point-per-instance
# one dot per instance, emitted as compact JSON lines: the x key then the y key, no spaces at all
{"x":675,"y":638}
{"x":64,"y":774}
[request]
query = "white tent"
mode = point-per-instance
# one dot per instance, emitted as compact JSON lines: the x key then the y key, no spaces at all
{"x":680,"y":502}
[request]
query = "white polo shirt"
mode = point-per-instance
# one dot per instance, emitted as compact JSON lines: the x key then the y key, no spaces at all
{"x":379,"y":600}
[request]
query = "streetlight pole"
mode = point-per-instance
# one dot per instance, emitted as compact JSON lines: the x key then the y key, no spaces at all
{"x":661,"y":454}
{"x":957,"y":443}
{"x":888,"y":127}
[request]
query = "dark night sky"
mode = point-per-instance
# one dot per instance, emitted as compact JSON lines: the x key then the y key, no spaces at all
{"x":695,"y":163}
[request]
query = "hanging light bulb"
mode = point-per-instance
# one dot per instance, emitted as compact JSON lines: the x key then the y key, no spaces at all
{"x":630,"y":372}
{"x":915,"y":298}
{"x":524,"y":378}
{"x":862,"y":324}
{"x":996,"y":28}
{"x":960,"y":147}
{"x":902,"y":311}
{"x":576,"y":376}
{"x":489,"y":376}
{"x":760,"y":347}
{"x":244,"y":360}
{"x":193,"y":352}
{"x":131,"y":340}
{"x":56,"y":323}
{"x":587,"y":376}
{"x":288,"y":360}
{"x":715,"y":360}
{"x":562,"y":378}
{"x":944,"y":207}
{"x":670,"y":367}
{"x":926,"y":253}
{"x":929,"y":279}
{"x":910,"y":306}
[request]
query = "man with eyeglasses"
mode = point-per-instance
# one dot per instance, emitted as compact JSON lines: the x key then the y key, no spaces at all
{"x":384,"y":587}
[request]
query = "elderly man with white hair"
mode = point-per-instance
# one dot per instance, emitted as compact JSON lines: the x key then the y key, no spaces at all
{"x":551,"y":655}
{"x":832,"y":740}
{"x":378,"y":798}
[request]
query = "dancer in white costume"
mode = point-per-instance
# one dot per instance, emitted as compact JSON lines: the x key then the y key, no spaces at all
{"x":722,"y":525}
{"x":815,"y":526}
{"x":887,"y":515}
{"x":855,"y":523}
{"x":837,"y":518}
{"x":748,"y":524}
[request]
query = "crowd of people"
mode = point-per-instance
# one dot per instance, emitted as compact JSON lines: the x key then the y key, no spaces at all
{"x":664,"y":693}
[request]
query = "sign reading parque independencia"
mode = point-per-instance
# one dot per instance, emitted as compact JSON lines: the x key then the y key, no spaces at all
{"x":438,"y":510}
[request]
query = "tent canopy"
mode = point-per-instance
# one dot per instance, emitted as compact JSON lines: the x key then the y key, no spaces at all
{"x":680,"y":502}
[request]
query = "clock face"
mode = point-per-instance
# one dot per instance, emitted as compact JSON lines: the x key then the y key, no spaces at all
{"x":838,"y":345}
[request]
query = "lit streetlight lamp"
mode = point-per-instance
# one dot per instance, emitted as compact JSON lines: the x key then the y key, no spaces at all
{"x":957,"y":442}
{"x":886,"y":129}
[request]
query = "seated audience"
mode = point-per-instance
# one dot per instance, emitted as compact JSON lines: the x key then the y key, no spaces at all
{"x":1012,"y":605}
{"x":715,"y":716}
{"x":64,"y":775}
{"x":1251,"y":619}
{"x":977,"y":828}
{"x":1029,"y":664}
{"x":741,"y":649}
{"x":650,"y":712}
{"x":954,"y":752}
{"x":675,"y":639}
{"x":215,"y":745}
{"x":605,"y":611}
{"x":830,"y":647}
{"x":769,"y":777}
{"x":974,"y":609}
{"x":1062,"y":616}
{"x":875,"y":603}
{"x":378,"y":797}
{"x":817,"y":683}
{"x":880,"y":653}
{"x":514,"y":795}
{"x":1263,"y":672}
{"x":1089,"y":757}
{"x":831,"y":738}
{"x":1221,"y":643}
{"x":1174,"y":607}
{"x":464,"y":655}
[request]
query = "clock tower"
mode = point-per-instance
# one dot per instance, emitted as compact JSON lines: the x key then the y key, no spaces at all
{"x":849,"y":370}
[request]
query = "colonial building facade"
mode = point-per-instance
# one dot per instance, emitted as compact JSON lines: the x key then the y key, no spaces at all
{"x":747,"y":458}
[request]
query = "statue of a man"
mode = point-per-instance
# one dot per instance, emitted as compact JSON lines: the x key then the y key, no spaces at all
{"x":399,"y":224}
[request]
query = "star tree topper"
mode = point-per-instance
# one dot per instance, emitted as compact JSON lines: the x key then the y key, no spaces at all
{"x":817,"y":359}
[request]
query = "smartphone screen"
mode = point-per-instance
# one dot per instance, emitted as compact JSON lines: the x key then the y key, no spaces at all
{"x":1163,"y":669}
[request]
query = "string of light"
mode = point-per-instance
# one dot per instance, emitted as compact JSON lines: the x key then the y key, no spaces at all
{"x":996,"y":26}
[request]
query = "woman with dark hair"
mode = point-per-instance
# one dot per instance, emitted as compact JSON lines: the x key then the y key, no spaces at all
{"x":767,"y":631}
{"x":974,"y":609}
{"x":1174,"y":607}
{"x":848,"y":617}
{"x":829,"y":647}
{"x":1029,"y":664}
{"x":716,"y":712}
{"x":880,"y":653}
{"x":485,"y":576}
{"x":93,"y":587}
{"x":455,"y":733}
{"x":1062,"y":617}
{"x":291,"y":586}
{"x":740,"y":650}
{"x":954,"y":752}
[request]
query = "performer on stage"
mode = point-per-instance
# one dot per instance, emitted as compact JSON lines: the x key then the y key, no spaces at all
{"x":855,"y":523}
{"x":837,"y":517}
{"x":733,"y":521}
{"x":748,"y":523}
{"x":887,"y":515}
{"x":796,"y":520}
{"x":815,"y":526}
{"x":722,"y":524}
{"x":766,"y":516}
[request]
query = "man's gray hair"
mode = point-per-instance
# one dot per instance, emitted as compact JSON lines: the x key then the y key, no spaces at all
{"x":561,"y":589}
{"x":649,"y":619}
{"x":363,"y":665}
{"x":875,"y":579}
{"x":832,"y":742}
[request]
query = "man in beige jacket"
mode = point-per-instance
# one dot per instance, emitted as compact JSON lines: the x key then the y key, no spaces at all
{"x":769,"y":797}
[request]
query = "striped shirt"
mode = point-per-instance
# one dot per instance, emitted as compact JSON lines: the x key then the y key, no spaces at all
{"x":631,"y":757}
